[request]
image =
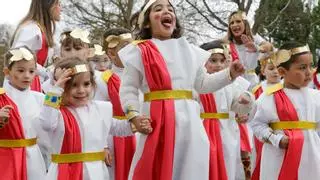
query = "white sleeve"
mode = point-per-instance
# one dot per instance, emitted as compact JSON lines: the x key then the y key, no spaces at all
{"x":120,"y":128}
{"x":260,"y":124}
{"x":30,"y":36}
{"x":258,"y":39}
{"x":241,"y":108}
{"x":208,"y":83}
{"x":49,"y":116}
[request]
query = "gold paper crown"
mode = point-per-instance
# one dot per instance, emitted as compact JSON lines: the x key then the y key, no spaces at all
{"x":269,"y":59}
{"x":21,"y":54}
{"x":216,"y":51}
{"x":98,"y":50}
{"x":240,"y":14}
{"x":284,"y":55}
{"x":80,"y":68}
{"x":143,"y":12}
{"x":114,"y":40}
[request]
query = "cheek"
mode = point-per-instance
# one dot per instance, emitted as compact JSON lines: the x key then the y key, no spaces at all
{"x":157,"y":17}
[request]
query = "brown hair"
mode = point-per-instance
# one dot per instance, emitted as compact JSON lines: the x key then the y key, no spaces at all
{"x":71,"y":62}
{"x":145,"y":33}
{"x":8,"y":55}
{"x":69,"y":41}
{"x":40,"y":12}
{"x":247,"y":30}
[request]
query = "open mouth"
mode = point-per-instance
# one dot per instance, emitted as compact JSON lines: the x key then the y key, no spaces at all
{"x":236,"y":29}
{"x":166,"y":22}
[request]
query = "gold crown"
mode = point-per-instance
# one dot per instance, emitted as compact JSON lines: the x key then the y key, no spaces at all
{"x":284,"y":55}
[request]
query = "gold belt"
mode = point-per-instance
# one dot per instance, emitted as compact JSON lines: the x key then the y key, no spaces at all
{"x":303,"y":125}
{"x":214,"y":115}
{"x":78,"y":157}
{"x":167,"y":94}
{"x":17,"y":143}
{"x":120,"y":117}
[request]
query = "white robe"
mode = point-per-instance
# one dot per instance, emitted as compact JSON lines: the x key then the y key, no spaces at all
{"x":249,"y":60}
{"x":307,"y":103}
{"x":95,"y":122}
{"x":185,"y":65}
{"x":29,"y":104}
{"x":227,"y":102}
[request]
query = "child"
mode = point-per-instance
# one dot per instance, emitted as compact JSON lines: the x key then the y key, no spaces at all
{"x":221,"y":127}
{"x":20,"y":156}
{"x":79,"y":126}
{"x":36,"y":31}
{"x":244,"y":46}
{"x":270,"y":73}
{"x":166,"y":69}
{"x":123,"y":148}
{"x":287,"y":117}
{"x":100,"y":61}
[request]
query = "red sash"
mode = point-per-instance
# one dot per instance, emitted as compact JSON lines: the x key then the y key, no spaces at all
{"x":217,"y":168}
{"x":13,"y":161}
{"x":71,"y":144}
{"x":233,"y":52}
{"x":258,"y":145}
{"x":315,"y":80}
{"x":156,"y":161}
{"x":124,"y":147}
{"x":287,"y":112}
{"x":36,"y":85}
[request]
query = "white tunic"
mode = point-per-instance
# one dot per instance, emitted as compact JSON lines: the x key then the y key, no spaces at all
{"x":227,"y":102}
{"x":95,"y":123}
{"x":29,"y":104}
{"x":250,"y":61}
{"x":307,"y":103}
{"x":185,"y":65}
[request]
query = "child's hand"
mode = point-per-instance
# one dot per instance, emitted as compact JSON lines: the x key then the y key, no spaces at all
{"x":64,"y":77}
{"x":284,"y":142}
{"x":248,"y":43}
{"x":244,"y":99}
{"x":108,"y":157}
{"x":143,"y":124}
{"x":236,"y":69}
{"x":4,"y":115}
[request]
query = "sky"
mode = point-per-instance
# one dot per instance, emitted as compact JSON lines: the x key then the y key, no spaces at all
{"x":12,"y":11}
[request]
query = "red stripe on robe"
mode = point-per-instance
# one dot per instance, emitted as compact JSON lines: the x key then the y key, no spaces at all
{"x":217,"y":168}
{"x":156,"y":161}
{"x":315,"y":80}
{"x":71,"y":144}
{"x":287,"y":112}
{"x":124,"y":147}
{"x":13,"y":161}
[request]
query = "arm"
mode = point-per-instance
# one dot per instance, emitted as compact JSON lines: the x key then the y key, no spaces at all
{"x":120,"y":128}
{"x":28,"y":35}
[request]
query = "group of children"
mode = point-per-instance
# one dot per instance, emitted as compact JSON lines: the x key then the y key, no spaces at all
{"x":165,"y":109}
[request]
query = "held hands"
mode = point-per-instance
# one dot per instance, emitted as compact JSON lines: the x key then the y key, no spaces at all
{"x":143,"y":124}
{"x":64,"y":76}
{"x":108,"y":157}
{"x":4,"y":115}
{"x":284,"y":142}
{"x":236,"y":69}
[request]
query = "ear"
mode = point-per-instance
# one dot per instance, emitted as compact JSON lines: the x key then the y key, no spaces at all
{"x":6,"y":71}
{"x":282,"y":71}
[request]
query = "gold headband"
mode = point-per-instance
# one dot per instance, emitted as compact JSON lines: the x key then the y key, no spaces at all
{"x":114,"y":40}
{"x":216,"y":50}
{"x":284,"y":55}
{"x":80,"y":34}
{"x":20,"y":54}
{"x":98,"y":50}
{"x":143,"y":12}
{"x":240,"y":14}
{"x":270,"y":59}
{"x":80,"y":69}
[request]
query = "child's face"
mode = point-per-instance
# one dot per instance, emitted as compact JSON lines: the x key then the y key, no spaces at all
{"x":216,"y":63}
{"x":236,"y":26}
{"x":22,"y":73}
{"x":81,"y":90}
{"x":162,"y":20}
{"x":271,"y":73}
{"x":300,"y":72}
{"x":75,"y":51}
{"x":100,"y":63}
{"x":113,"y":54}
{"x":55,"y":11}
